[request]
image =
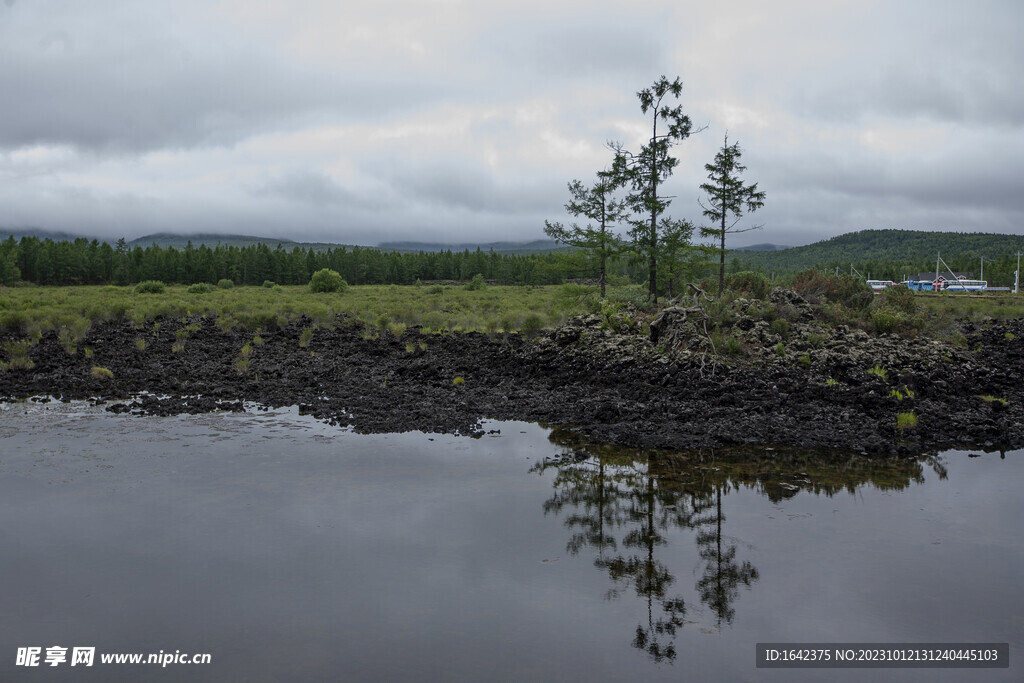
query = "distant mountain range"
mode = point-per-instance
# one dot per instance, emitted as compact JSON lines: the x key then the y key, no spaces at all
{"x":907,"y":247}
{"x":761,"y":247}
{"x":18,"y":233}
{"x":178,"y":241}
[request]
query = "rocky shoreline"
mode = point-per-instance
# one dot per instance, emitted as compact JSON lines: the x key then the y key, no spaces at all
{"x":604,"y":377}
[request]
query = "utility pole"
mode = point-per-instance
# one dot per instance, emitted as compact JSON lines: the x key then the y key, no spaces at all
{"x":1017,"y":280}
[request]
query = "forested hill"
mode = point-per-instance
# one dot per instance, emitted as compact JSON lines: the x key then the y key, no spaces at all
{"x":891,"y":254}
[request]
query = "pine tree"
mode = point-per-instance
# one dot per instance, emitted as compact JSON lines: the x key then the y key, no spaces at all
{"x":727,"y":195}
{"x":597,"y":204}
{"x":647,"y":171}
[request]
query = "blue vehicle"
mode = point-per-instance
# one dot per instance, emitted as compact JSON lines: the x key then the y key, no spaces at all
{"x":924,"y":285}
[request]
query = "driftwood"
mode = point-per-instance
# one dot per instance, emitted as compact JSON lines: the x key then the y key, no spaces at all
{"x":675,"y":316}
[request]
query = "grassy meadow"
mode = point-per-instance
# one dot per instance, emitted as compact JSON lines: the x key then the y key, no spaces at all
{"x":71,"y":311}
{"x":28,"y":312}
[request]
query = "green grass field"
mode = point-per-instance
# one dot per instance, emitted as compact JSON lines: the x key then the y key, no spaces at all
{"x":28,"y":312}
{"x":31,"y":311}
{"x":996,"y":306}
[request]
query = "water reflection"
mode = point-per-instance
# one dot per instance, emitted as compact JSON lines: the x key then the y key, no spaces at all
{"x":624,"y":506}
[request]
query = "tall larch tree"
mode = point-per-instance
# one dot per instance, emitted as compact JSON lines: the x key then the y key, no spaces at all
{"x":726,"y":199}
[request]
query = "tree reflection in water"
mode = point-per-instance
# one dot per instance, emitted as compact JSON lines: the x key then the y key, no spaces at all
{"x":620,"y":504}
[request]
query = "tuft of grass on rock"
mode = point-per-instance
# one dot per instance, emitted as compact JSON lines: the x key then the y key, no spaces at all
{"x":101,"y":372}
{"x":879,"y":371}
{"x":18,"y":353}
{"x":458,"y":381}
{"x":906,"y":421}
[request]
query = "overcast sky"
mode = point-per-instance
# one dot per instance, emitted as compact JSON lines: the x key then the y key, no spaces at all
{"x":361,"y":122}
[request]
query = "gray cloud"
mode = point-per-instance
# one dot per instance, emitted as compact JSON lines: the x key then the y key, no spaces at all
{"x":316,"y":190}
{"x":341,"y":121}
{"x":458,"y":186}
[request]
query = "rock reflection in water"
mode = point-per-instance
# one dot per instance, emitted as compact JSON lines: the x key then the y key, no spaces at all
{"x":620,"y":504}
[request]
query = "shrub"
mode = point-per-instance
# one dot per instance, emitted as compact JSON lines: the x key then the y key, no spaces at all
{"x":101,"y":373}
{"x":305,"y":337}
{"x":884,"y":320}
{"x":476,"y":283}
{"x":149,"y":287}
{"x":816,"y":339}
{"x":850,"y":291}
{"x":780,"y":326}
{"x":327,"y":280}
{"x":532,"y":325}
{"x":200,"y":288}
{"x":18,"y":352}
{"x":749,"y":284}
{"x":780,"y":350}
{"x":225,"y":284}
{"x":262,"y":320}
{"x":13,"y":322}
{"x":898,"y":298}
{"x":435,"y":289}
{"x":140,"y":344}
{"x":268,"y":284}
{"x":67,"y":341}
{"x":726,"y":344}
{"x":630,"y":295}
{"x":805,"y":360}
{"x":458,"y":381}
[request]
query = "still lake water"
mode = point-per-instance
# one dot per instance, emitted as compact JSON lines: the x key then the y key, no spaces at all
{"x":292,"y":550}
